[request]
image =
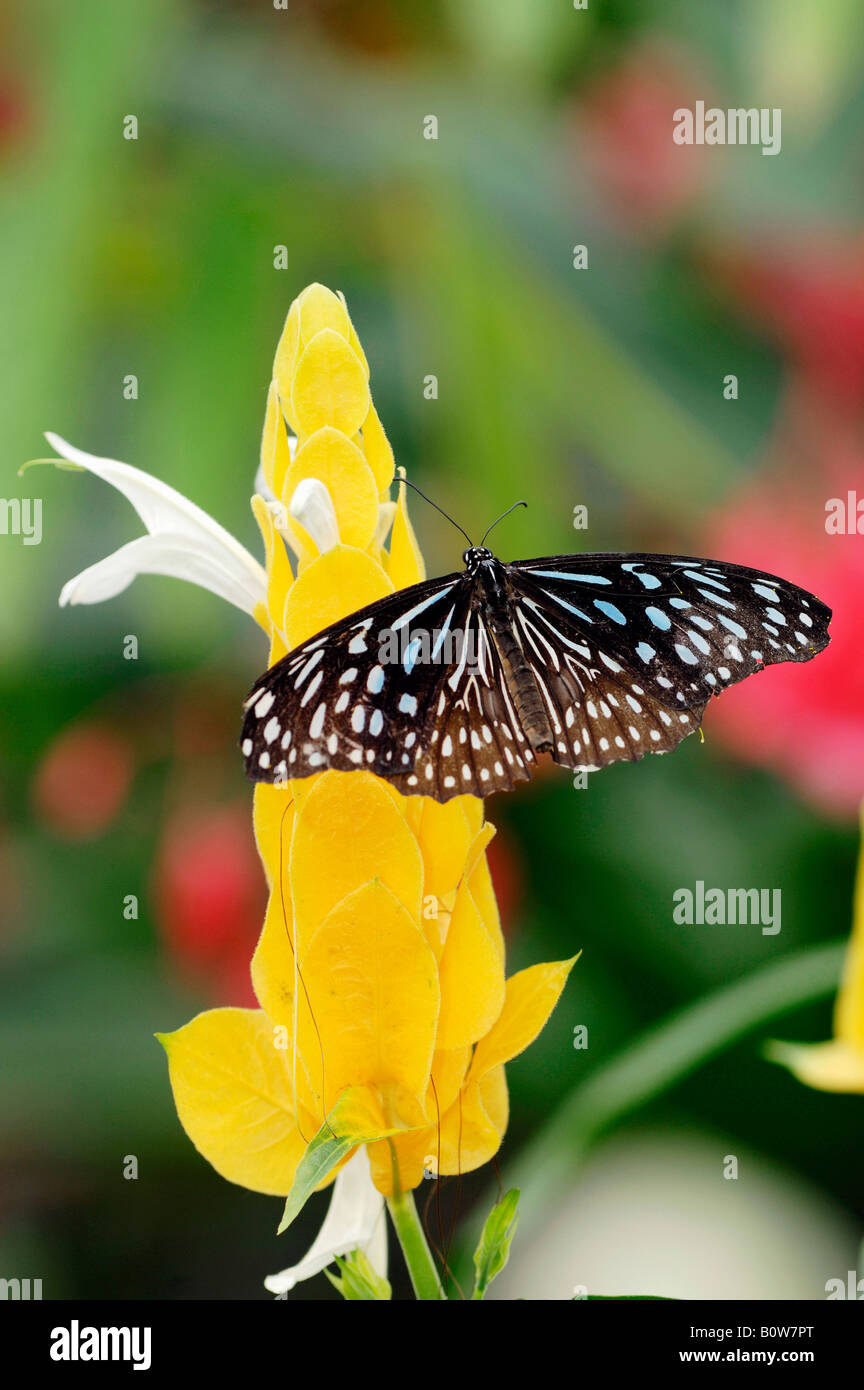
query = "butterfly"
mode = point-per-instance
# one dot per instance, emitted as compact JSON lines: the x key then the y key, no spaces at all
{"x":456,"y":685}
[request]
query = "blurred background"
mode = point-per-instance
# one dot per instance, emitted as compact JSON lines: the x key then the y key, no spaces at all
{"x":601,"y":387}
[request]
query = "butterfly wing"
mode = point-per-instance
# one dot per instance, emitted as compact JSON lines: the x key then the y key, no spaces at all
{"x":625,"y":651}
{"x":685,"y":628}
{"x":358,"y":694}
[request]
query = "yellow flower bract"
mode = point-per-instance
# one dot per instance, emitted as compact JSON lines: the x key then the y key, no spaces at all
{"x":380,"y":966}
{"x":838,"y":1065}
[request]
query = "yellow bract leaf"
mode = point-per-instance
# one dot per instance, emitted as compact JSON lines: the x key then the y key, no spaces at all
{"x":331,"y":458}
{"x":405,"y":563}
{"x":373,"y":991}
{"x":232,"y":1091}
{"x":474,"y":1126}
{"x":448,"y":1073}
{"x":469,"y":1135}
{"x":849,"y":1008}
{"x":321,"y":308}
{"x":411,"y":1151}
{"x":272,"y":819}
{"x":482,"y":889}
{"x":279,"y":577}
{"x":330,"y":386}
{"x":472,"y":977}
{"x":445,"y":835}
{"x":827,"y":1066}
{"x":285,"y":361}
{"x":275,"y":450}
{"x":352,"y":336}
{"x":348,"y":830}
{"x":379,"y":455}
{"x":336,"y":584}
{"x":531,"y":996}
{"x":273,"y":972}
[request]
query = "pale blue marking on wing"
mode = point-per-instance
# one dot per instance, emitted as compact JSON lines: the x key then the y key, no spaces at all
{"x":420,"y":608}
{"x":650,"y":581}
{"x":659,"y":618}
{"x":564,"y":604}
{"x":715,"y":598}
{"x":576,"y":578}
{"x":738,"y":630}
{"x":439,"y":641}
{"x":764,"y":592}
{"x":610,"y":610}
{"x":686,"y":655}
{"x":707,"y":579}
{"x":409,"y":660}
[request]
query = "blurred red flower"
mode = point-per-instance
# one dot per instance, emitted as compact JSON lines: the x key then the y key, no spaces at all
{"x":210,"y":897}
{"x":808,"y":295}
{"x":806,"y":722}
{"x":13,"y":110}
{"x":83,"y":780}
{"x":624,"y":127}
{"x":506,"y":872}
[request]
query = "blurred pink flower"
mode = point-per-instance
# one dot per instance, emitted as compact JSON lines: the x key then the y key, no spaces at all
{"x":805,"y":722}
{"x":624,"y":131}
{"x":808,"y":296}
{"x":83,"y":780}
{"x":505,"y":868}
{"x":210,"y":898}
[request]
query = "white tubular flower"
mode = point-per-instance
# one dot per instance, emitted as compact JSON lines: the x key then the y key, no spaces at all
{"x":182,"y":541}
{"x":355,"y":1220}
{"x":312,"y":506}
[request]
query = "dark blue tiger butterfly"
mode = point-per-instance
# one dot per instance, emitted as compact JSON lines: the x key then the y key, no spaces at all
{"x":455,"y":685}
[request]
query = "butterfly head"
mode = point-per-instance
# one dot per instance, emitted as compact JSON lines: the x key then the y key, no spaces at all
{"x":475,"y":556}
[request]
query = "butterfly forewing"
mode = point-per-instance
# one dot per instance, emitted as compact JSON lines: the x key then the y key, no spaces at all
{"x":687,"y":628}
{"x":358,"y":694}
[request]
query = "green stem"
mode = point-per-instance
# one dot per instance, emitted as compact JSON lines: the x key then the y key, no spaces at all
{"x":418,"y":1257}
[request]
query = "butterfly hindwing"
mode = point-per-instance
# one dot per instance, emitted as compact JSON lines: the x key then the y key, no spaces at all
{"x":475,"y":743}
{"x":598,"y":715}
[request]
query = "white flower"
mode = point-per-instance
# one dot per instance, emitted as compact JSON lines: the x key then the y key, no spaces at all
{"x":312,"y":505}
{"x":182,"y":541}
{"x":355,"y":1220}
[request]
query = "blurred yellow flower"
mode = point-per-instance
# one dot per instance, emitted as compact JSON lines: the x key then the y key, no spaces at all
{"x":837,"y":1065}
{"x":385,"y":1018}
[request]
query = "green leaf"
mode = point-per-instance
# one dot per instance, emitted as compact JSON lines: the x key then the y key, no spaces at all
{"x":359,"y":1283}
{"x":352,"y":1121}
{"x":493,"y":1251}
{"x":625,"y":1298}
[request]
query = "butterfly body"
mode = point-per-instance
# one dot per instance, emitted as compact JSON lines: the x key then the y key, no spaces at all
{"x":493,"y":597}
{"x":455,"y":685}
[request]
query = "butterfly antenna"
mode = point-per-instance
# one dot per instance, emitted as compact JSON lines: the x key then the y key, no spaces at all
{"x":438,"y":509}
{"x":502,"y":516}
